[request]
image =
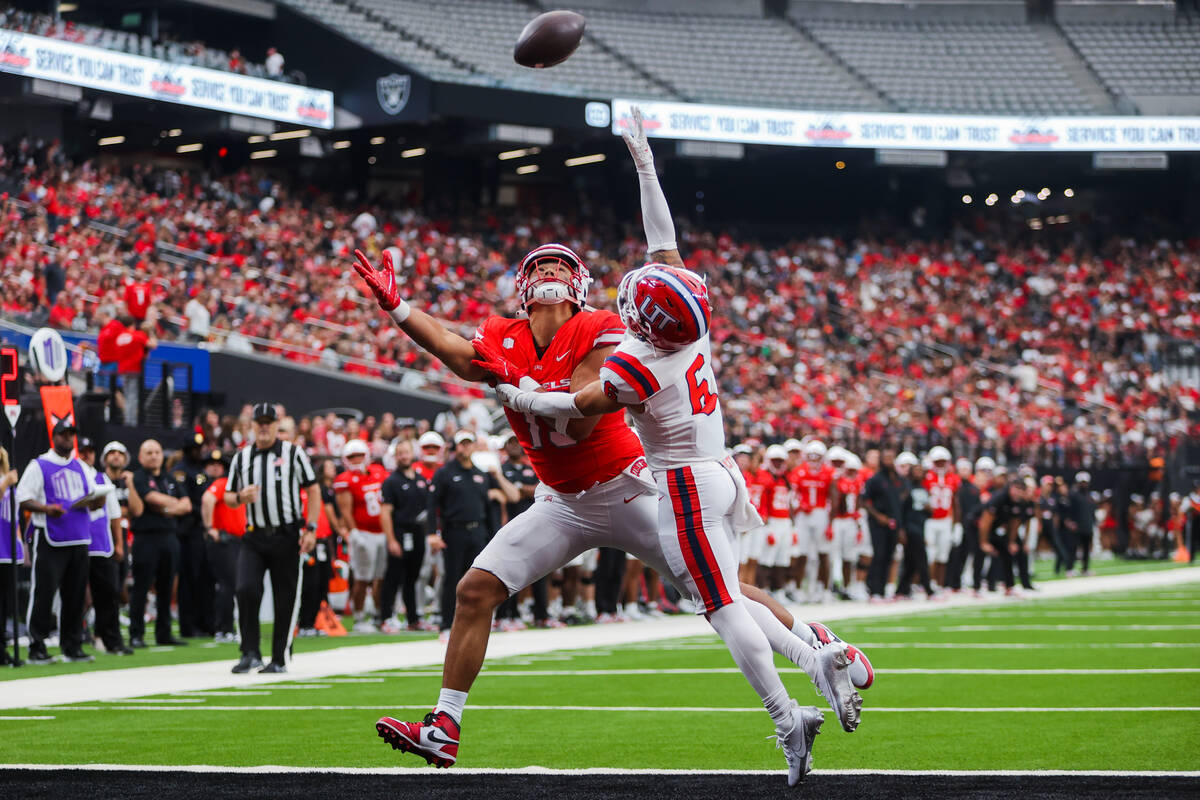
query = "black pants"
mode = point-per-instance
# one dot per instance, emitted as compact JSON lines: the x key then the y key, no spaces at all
{"x":402,"y":575}
{"x":1002,"y":562}
{"x":1058,"y":537}
{"x":155,"y":560}
{"x":8,"y":579}
{"x":980,"y":559}
{"x":195,"y":585}
{"x":314,"y":581}
{"x":915,"y":565}
{"x":275,"y":551}
{"x":222,"y":556}
{"x":958,"y":556}
{"x":883,"y":540}
{"x":610,"y":575}
{"x":103,"y":574}
{"x":463,"y":543}
{"x":1073,"y":542}
{"x":63,"y":569}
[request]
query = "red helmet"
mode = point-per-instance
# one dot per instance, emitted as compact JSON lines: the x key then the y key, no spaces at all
{"x":548,"y":291}
{"x":665,"y":306}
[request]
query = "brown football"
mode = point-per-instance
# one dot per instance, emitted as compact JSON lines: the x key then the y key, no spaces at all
{"x":549,"y":39}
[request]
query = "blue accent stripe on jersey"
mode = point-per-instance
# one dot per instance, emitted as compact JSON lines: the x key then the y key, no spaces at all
{"x":645,"y":381}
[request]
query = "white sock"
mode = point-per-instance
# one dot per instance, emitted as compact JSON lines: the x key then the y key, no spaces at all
{"x":802,"y":630}
{"x":452,"y":702}
{"x":782,"y":641}
{"x":752,"y":653}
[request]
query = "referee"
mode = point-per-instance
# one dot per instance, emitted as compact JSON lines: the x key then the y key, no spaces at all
{"x":268,"y":478}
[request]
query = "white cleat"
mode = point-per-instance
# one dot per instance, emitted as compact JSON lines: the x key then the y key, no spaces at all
{"x":833,"y":682}
{"x":797,"y":742}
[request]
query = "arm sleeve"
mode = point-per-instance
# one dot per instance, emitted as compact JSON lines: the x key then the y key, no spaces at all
{"x":656,"y":214}
{"x":555,"y":405}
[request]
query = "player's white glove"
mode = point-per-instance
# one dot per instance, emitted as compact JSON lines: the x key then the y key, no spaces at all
{"x":635,"y":140}
{"x":554,"y":405}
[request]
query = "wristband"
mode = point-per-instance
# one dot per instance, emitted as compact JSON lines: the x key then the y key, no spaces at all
{"x":401,"y":311}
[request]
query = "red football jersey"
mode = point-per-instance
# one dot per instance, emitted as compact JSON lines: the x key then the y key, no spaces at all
{"x":366,"y":491}
{"x":776,"y":495}
{"x":941,"y":493}
{"x":426,"y":470}
{"x":812,"y":484}
{"x":558,"y":460}
{"x":755,"y":490}
{"x":848,"y":489}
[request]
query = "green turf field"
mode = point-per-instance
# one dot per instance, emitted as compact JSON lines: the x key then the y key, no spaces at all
{"x":967,"y":688}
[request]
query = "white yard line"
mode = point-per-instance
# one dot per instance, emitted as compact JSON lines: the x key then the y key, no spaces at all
{"x":644,"y":709}
{"x":1030,"y":627}
{"x":954,"y":645}
{"x":25,"y":717}
{"x":580,"y":673}
{"x":350,"y":660}
{"x":448,"y":775}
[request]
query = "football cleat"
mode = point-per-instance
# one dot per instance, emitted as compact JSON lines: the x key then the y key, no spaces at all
{"x":797,"y":742}
{"x":435,"y":739}
{"x":833,"y":682}
{"x":862,"y":674}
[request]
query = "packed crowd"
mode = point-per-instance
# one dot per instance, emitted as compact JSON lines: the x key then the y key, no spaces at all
{"x":176,"y":52}
{"x":977,"y":342}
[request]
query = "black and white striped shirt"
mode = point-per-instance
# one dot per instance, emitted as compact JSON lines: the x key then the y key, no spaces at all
{"x":280,"y":472}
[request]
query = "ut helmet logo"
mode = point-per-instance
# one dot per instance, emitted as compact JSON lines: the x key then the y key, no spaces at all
{"x":654,"y":314}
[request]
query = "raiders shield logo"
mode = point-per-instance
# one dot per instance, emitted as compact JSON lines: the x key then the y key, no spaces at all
{"x":392,"y":91}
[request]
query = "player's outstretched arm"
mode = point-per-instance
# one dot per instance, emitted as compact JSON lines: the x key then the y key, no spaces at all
{"x":587,"y":402}
{"x":656,"y":214}
{"x":448,"y":347}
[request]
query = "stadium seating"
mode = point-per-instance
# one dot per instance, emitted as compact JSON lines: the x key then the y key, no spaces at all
{"x":970,"y":67}
{"x":1137,"y":59}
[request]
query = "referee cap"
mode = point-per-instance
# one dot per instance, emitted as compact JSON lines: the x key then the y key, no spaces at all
{"x":265,"y":412}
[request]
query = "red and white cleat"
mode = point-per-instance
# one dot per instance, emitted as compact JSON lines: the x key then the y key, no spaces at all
{"x":862,"y":675}
{"x":435,"y":739}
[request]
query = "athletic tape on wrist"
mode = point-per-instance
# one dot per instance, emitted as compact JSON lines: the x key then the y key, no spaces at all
{"x":401,"y":311}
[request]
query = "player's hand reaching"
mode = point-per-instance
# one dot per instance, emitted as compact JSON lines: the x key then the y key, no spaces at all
{"x":382,"y":282}
{"x":501,"y":369}
{"x":635,"y":140}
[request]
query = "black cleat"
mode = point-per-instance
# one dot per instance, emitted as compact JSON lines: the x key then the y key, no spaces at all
{"x":249,"y":661}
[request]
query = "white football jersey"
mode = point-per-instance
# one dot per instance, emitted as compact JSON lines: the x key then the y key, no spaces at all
{"x":681,"y":420}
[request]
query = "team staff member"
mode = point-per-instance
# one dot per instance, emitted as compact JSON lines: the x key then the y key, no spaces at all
{"x":458,"y":503}
{"x":9,"y":559}
{"x":51,"y":489}
{"x":115,"y":460}
{"x":404,"y":516}
{"x":881,"y":499}
{"x":519,"y":472}
{"x":1080,"y":521}
{"x":318,"y":567}
{"x":967,"y":499}
{"x":223,"y":531}
{"x":999,"y":520}
{"x":155,"y":545}
{"x":267,"y":479}
{"x":194,"y":474}
{"x":105,"y":552}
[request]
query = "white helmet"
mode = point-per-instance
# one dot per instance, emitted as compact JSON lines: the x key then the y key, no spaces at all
{"x":853,"y":462}
{"x":985,"y":464}
{"x":532,"y":290}
{"x":906,"y":458}
{"x":838,"y":453}
{"x":939,"y":453}
{"x":431,"y":439}
{"x":815,"y":449}
{"x":48,"y":355}
{"x":776,"y":452}
{"x":793,"y":445}
{"x":357,"y":447}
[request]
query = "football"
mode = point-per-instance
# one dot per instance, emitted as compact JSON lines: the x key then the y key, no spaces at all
{"x":549,"y":39}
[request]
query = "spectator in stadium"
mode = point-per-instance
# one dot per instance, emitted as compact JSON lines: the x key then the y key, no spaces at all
{"x":274,"y":63}
{"x":404,"y":516}
{"x":199,"y":318}
{"x":458,"y":510}
{"x":155,"y":548}
{"x":881,"y":498}
{"x":55,"y":490}
{"x":131,"y":347}
{"x":223,"y":530}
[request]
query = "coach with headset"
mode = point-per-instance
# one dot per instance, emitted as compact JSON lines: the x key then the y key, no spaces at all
{"x":267,"y":477}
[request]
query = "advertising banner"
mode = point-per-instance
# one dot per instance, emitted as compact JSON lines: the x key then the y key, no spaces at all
{"x":111,"y":71}
{"x":909,"y":131}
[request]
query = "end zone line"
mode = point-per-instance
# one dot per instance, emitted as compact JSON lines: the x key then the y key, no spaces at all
{"x":283,"y":770}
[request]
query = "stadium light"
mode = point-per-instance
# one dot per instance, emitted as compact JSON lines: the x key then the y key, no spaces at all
{"x":107,"y":140}
{"x":839,"y":165}
{"x":296,"y":134}
{"x":371,"y":160}
{"x":258,"y":139}
{"x":413,"y":153}
{"x":1044,"y":193}
{"x":1014,"y":200}
{"x":189,"y":148}
{"x":257,"y":154}
{"x":580,"y":161}
{"x":967,"y":199}
{"x":1019,"y":194}
{"x":174,"y":132}
{"x":341,"y":145}
{"x":991,"y":199}
{"x":528,"y":169}
{"x":378,"y":140}
{"x":508,"y":155}
{"x":1068,"y":192}
{"x":67,"y":8}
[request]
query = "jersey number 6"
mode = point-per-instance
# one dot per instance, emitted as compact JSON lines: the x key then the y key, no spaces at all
{"x":703,"y":400}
